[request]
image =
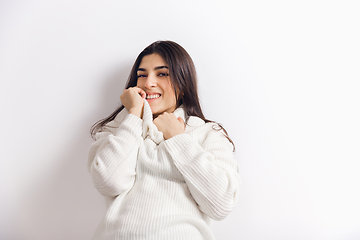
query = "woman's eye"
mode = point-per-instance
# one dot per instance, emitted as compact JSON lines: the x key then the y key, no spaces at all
{"x":163,"y":74}
{"x":141,"y":76}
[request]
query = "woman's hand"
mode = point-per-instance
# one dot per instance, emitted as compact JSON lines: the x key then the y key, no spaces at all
{"x":169,"y":125}
{"x":133,"y":100}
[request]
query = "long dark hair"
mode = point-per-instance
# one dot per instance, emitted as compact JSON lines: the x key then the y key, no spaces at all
{"x":182,"y":75}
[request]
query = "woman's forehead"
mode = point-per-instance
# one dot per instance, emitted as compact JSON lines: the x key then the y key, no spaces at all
{"x":152,"y":61}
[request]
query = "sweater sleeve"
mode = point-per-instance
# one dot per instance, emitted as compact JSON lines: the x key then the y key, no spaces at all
{"x":209,"y":170}
{"x":112,"y":157}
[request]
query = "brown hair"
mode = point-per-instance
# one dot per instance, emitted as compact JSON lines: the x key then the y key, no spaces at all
{"x":183,"y":77}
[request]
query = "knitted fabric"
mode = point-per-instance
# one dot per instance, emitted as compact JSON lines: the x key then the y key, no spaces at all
{"x":162,"y":189}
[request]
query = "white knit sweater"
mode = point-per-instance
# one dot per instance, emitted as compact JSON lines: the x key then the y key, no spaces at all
{"x":162,"y":189}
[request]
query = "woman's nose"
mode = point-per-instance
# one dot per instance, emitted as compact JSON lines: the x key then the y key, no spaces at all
{"x":150,"y":81}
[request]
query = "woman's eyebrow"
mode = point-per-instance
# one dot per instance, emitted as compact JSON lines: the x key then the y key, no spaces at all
{"x":157,"y":68}
{"x":160,"y":67}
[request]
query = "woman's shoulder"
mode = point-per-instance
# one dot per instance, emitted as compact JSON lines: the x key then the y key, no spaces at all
{"x":207,"y":133}
{"x":115,"y":123}
{"x":194,"y":122}
{"x":199,"y":127}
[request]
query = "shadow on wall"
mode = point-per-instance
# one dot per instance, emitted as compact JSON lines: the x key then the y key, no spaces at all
{"x":65,"y":204}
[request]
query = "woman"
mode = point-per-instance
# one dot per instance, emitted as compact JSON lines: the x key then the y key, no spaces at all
{"x":163,"y":168}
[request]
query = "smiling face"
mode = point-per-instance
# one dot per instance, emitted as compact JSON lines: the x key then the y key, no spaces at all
{"x":153,"y":78}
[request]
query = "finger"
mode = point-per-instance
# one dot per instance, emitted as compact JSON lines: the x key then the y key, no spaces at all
{"x":181,"y":120}
{"x":140,"y":91}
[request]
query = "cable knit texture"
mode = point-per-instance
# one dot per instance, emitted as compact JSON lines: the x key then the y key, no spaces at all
{"x":162,"y":189}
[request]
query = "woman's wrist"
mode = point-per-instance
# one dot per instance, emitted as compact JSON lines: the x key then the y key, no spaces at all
{"x":136,"y":111}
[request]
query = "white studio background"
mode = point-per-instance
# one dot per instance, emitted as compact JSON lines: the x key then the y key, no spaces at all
{"x":281,"y":76}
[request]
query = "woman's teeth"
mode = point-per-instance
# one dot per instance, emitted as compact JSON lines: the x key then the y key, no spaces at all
{"x":152,"y":96}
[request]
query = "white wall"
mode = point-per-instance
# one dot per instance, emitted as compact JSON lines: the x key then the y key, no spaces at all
{"x":282,"y":76}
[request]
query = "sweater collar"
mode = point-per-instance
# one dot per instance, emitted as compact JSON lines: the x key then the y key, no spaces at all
{"x":149,"y":128}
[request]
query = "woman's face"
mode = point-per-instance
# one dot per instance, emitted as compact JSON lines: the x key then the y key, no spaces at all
{"x":153,"y":78}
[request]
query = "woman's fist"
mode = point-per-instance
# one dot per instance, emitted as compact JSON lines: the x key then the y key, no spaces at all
{"x":169,"y":125}
{"x":133,"y":100}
